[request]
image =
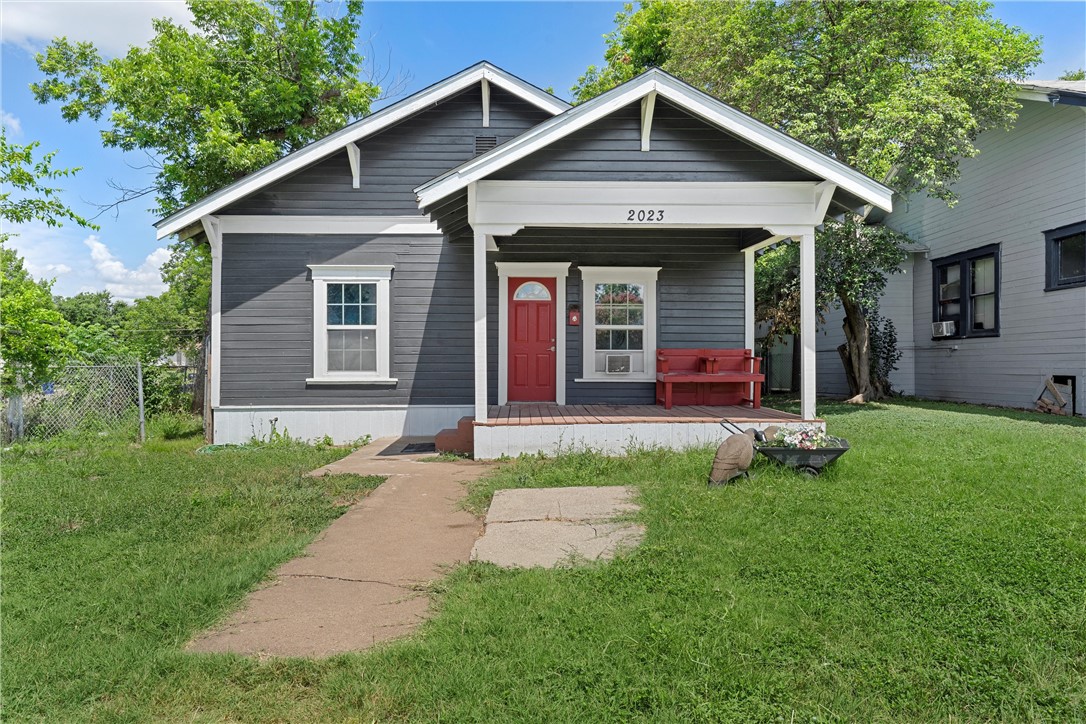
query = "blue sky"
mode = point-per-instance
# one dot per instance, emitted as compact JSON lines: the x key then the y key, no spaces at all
{"x":546,"y":43}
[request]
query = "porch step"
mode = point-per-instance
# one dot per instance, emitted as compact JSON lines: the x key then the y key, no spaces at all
{"x":460,"y":439}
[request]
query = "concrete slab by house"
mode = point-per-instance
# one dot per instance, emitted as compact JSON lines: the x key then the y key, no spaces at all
{"x":363,"y":580}
{"x":554,"y":526}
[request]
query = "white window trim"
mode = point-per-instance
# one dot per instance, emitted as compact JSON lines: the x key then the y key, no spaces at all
{"x":547,"y":270}
{"x":590,"y":277}
{"x":335,"y":273}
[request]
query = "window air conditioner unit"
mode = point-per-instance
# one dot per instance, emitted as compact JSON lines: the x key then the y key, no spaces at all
{"x":944,"y":329}
{"x":618,"y":364}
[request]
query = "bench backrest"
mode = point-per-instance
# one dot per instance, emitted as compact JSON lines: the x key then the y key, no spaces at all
{"x":689,"y":360}
{"x":678,"y":360}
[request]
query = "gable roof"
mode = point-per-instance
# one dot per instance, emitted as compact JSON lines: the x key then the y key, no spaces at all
{"x":685,"y":97}
{"x":356,"y":131}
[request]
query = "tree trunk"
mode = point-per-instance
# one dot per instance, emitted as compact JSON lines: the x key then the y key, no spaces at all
{"x":858,"y":357}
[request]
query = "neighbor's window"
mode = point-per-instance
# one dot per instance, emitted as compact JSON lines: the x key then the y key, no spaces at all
{"x":619,"y":332}
{"x":1065,"y":257}
{"x":966,"y":292}
{"x":351,"y":323}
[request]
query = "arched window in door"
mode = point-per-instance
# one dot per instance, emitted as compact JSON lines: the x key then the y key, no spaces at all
{"x":531,"y":292}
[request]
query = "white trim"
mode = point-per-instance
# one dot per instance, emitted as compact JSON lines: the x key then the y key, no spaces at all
{"x":557,"y":270}
{"x":823,"y":198}
{"x":610,"y":438}
{"x":213,"y":230}
{"x":748,"y":298}
{"x":479,"y":288}
{"x":648,"y":107}
{"x":354,"y":158}
{"x":244,"y":224}
{"x":356,"y":131}
{"x":807,"y":324}
{"x":686,"y":97}
{"x":350,"y":272}
{"x":264,"y":408}
{"x":486,"y":102}
{"x":322,"y":274}
{"x":498,"y":206}
{"x":776,"y":239}
{"x":351,"y":381}
{"x":592,"y":275}
{"x":344,"y":424}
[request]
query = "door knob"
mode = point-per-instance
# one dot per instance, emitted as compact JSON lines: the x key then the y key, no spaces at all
{"x":551,"y":349}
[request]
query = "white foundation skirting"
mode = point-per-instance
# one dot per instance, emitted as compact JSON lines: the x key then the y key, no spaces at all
{"x":342,"y":424}
{"x":610,"y":439}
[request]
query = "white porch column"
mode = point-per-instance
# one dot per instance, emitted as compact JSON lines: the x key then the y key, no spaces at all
{"x":479,"y":276}
{"x":748,"y":298}
{"x":807,"y":330}
{"x":748,"y":307}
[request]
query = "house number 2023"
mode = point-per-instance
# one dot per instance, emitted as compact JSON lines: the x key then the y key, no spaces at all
{"x":645,"y":215}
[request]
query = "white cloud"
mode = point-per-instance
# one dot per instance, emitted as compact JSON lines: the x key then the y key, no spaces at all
{"x":122,"y":282}
{"x":14,"y":125}
{"x":52,"y":270}
{"x":111,"y":26}
{"x":81,"y":263}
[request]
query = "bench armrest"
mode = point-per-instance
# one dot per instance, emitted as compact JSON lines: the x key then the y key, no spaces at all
{"x":663,"y":364}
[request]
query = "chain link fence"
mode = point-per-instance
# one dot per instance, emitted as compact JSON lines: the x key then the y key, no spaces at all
{"x":96,"y":398}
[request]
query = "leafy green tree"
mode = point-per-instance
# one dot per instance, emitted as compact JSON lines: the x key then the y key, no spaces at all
{"x":1079,"y":74}
{"x":639,"y":42}
{"x":34,"y":341}
{"x":87,"y":308}
{"x":252,"y":82}
{"x":899,"y":89}
{"x":94,"y":344}
{"x":25,"y":195}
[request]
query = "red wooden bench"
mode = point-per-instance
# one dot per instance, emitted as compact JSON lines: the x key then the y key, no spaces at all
{"x":708,"y":377}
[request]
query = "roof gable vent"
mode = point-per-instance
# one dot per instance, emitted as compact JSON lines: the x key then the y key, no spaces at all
{"x":484,"y":144}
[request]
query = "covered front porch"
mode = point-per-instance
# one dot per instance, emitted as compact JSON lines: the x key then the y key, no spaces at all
{"x":550,"y":429}
{"x":623,"y":227}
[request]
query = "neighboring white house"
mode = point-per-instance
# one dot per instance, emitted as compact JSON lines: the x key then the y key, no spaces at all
{"x":1005,"y":268}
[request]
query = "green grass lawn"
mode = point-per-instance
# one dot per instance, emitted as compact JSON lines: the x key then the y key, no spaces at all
{"x":937,"y":571}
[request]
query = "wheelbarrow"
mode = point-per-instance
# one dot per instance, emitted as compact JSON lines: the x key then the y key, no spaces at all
{"x":807,"y":461}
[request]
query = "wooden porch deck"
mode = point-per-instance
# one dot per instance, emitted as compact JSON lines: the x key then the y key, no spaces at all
{"x":550,"y":414}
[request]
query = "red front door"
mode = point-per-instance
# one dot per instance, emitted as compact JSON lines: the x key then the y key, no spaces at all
{"x":531,"y":339}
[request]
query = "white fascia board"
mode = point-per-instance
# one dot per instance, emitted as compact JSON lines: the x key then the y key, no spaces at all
{"x":356,"y":131}
{"x":684,"y":96}
{"x":244,"y":224}
{"x":1032,"y":93}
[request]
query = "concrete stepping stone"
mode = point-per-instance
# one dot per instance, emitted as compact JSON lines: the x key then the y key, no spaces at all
{"x":550,"y":527}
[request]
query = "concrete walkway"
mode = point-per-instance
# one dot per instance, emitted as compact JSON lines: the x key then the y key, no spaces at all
{"x":363,"y":580}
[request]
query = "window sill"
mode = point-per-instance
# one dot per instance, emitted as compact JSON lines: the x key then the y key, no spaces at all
{"x":1058,"y":287}
{"x":351,"y":380}
{"x":615,"y":379}
{"x":956,"y":338}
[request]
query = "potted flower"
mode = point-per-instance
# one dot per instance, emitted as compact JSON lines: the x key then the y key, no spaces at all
{"x":805,"y":447}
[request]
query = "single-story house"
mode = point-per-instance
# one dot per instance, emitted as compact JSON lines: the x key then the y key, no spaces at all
{"x":482,"y":254}
{"x":991,"y":305}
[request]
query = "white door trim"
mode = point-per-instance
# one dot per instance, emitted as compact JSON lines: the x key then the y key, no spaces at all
{"x":547,"y":270}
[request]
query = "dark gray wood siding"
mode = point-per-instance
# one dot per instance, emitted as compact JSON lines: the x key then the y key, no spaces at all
{"x":396,"y":160}
{"x":267,"y":319}
{"x":699,"y":292}
{"x":684,"y":148}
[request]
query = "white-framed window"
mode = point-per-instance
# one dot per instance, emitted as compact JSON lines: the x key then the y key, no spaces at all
{"x":351,"y":324}
{"x":619,"y":341}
